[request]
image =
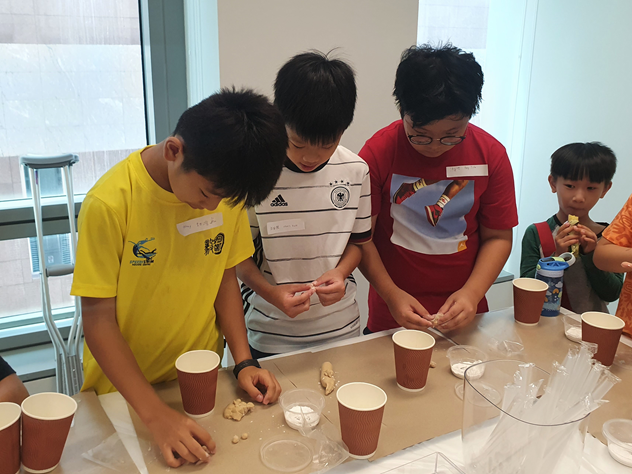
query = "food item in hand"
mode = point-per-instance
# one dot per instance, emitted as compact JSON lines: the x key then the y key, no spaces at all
{"x":235,"y":439}
{"x":244,"y":436}
{"x":237,"y":409}
{"x":327,"y":379}
{"x":573,"y":221}
{"x":436,"y":319}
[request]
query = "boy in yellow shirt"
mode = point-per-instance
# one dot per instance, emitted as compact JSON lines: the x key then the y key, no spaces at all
{"x":160,"y":235}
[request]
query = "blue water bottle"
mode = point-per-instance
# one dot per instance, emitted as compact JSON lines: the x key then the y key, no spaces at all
{"x":551,"y":271}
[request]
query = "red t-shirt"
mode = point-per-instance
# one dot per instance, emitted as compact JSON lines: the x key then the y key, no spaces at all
{"x":429,"y":243}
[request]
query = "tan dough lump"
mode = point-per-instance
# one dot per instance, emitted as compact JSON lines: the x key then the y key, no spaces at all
{"x":437,"y":318}
{"x":237,"y":410}
{"x":573,"y":221}
{"x":327,"y":379}
{"x":235,"y":439}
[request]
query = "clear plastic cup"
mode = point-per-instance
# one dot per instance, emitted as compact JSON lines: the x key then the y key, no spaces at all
{"x":302,"y":407}
{"x":495,"y":442}
{"x":618,"y":433}
{"x":462,"y":357}
{"x":572,"y":328}
{"x":435,"y":463}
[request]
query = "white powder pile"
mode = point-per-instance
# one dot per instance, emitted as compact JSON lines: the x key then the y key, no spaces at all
{"x":458,"y":369}
{"x":294,"y":416}
{"x":574,"y":333}
{"x":622,"y":455}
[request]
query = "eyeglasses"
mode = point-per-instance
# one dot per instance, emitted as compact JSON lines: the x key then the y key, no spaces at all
{"x":424,"y":140}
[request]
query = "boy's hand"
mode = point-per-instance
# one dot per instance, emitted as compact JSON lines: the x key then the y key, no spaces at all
{"x":177,"y":433}
{"x":408,"y":312}
{"x":458,"y":310}
{"x":627,"y":266}
{"x":330,"y":287}
{"x":291,"y":299}
{"x":252,"y":379}
{"x":587,"y":239}
{"x":564,"y":239}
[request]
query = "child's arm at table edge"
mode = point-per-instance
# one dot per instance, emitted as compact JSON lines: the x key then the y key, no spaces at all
{"x":230,"y":315}
{"x":171,"y":430}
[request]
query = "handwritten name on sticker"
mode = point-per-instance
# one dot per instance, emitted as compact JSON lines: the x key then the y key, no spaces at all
{"x":200,"y":224}
{"x":465,"y":170}
{"x":290,"y":225}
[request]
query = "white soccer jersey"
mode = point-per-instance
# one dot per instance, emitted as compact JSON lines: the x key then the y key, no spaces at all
{"x":300,"y":232}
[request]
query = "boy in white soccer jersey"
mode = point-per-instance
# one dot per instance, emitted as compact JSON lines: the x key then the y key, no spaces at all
{"x":298,"y":289}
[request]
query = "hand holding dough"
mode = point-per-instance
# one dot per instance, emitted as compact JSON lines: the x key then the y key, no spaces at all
{"x":237,"y":409}
{"x":327,"y":379}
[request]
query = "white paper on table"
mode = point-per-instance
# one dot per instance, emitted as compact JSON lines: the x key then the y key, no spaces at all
{"x":116,"y":409}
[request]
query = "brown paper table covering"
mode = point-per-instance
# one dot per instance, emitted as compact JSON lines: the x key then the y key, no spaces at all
{"x":409,"y":418}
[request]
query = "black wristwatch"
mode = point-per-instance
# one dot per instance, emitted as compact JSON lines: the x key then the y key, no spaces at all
{"x":243,"y":364}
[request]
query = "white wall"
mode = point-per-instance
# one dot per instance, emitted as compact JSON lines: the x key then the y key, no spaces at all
{"x":579,"y":91}
{"x":256,"y":38}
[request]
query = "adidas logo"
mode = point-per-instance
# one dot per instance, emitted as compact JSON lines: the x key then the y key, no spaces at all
{"x":278,"y":201}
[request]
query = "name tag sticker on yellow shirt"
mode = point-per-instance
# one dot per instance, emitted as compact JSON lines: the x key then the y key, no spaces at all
{"x":200,"y":224}
{"x":290,"y":225}
{"x":466,"y":170}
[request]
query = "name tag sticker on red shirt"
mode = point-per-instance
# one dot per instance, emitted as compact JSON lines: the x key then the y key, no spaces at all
{"x":200,"y":224}
{"x":290,"y":225}
{"x":465,"y":170}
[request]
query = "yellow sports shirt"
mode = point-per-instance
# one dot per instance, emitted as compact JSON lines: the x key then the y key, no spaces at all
{"x":162,"y":260}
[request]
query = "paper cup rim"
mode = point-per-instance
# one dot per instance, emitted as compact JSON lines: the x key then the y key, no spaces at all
{"x":518,"y":281}
{"x":408,"y":331}
{"x":620,"y":324}
{"x":49,"y":418}
{"x":188,"y":353}
{"x":361,"y":409}
{"x":14,"y":419}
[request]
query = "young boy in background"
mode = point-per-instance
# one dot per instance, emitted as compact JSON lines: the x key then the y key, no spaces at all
{"x":581,"y":174}
{"x":160,"y":235}
{"x":614,"y":254}
{"x":298,"y":289}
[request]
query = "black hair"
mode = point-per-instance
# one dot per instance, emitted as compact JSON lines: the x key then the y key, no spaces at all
{"x":237,"y":140}
{"x":317,"y":96}
{"x":577,"y":161}
{"x":434,"y":83}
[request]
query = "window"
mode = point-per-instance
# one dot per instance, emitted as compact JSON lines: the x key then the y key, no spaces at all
{"x":71,"y":77}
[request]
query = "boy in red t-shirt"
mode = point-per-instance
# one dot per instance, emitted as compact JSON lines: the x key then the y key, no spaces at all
{"x":442,"y":196}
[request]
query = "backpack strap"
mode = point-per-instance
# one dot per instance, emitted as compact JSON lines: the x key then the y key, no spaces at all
{"x":546,"y":238}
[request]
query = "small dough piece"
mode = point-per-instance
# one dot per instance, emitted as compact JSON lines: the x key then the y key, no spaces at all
{"x":433,"y":364}
{"x":327,"y":379}
{"x":244,"y":436}
{"x":437,"y":318}
{"x":237,"y":410}
{"x":235,"y":439}
{"x":573,"y":221}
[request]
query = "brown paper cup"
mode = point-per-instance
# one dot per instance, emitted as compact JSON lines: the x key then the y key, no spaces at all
{"x":9,"y":438}
{"x":413,"y":351}
{"x":197,"y":377}
{"x":604,"y":330}
{"x":46,"y":419}
{"x":361,"y":406}
{"x":529,"y":295}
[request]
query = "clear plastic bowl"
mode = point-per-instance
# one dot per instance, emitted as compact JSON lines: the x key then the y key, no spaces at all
{"x":302,"y":407}
{"x":618,"y":432}
{"x":572,"y":328}
{"x":462,"y":357}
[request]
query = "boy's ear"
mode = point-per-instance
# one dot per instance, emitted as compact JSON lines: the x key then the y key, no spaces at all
{"x":606,"y":189}
{"x":174,"y":147}
{"x":552,"y":183}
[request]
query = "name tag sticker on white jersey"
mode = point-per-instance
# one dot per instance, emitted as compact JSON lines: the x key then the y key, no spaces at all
{"x":466,"y":170}
{"x":290,"y":225}
{"x":200,"y":224}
